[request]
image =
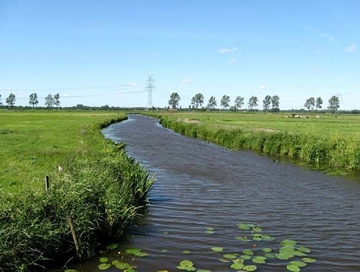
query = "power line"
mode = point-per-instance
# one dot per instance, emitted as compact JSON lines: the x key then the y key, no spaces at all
{"x":69,"y":89}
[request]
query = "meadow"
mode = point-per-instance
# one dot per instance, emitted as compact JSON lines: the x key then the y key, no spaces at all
{"x":95,"y":188}
{"x":320,"y":139}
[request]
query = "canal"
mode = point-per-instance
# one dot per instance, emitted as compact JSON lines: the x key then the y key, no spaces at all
{"x":212,"y":207}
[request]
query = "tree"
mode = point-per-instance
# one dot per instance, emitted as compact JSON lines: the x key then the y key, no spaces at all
{"x":225,"y":101}
{"x":310,"y":103}
{"x":49,"y":101}
{"x":33,"y":99}
{"x":253,"y":102}
{"x":266,"y":103}
{"x":56,"y":100}
{"x":0,"y":100}
{"x":275,"y":103}
{"x":10,"y":100}
{"x":212,"y":103}
{"x":197,"y":100}
{"x":174,"y":100}
{"x":239,"y":102}
{"x":334,"y":104}
{"x":319,"y":103}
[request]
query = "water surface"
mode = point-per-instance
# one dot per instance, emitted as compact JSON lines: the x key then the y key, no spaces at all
{"x":200,"y":185}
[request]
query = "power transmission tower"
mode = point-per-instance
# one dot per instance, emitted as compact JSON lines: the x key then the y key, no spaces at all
{"x":150,"y":87}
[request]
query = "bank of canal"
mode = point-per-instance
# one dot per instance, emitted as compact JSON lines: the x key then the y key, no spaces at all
{"x":211,"y":206}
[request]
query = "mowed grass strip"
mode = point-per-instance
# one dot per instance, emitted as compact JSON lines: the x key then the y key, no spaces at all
{"x":34,"y":143}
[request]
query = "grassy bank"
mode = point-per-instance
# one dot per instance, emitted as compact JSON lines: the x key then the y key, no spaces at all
{"x":326,"y":140}
{"x":98,"y":191}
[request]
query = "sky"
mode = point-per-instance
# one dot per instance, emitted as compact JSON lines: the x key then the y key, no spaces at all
{"x":102,"y":52}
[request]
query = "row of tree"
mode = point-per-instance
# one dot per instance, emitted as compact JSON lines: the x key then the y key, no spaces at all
{"x":270,"y":103}
{"x":50,"y":100}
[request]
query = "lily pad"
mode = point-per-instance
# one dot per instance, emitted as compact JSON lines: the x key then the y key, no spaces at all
{"x":217,"y":249}
{"x":104,"y":260}
{"x":288,"y":242}
{"x":249,"y":268}
{"x":243,"y":227}
{"x":298,"y":263}
{"x":308,"y":260}
{"x":230,"y":256}
{"x":104,"y":266}
{"x":248,"y":252}
{"x":259,"y":260}
{"x":112,"y":246}
{"x":257,"y":229}
{"x":304,"y":249}
{"x":237,"y":266}
{"x":121,"y":265}
{"x":132,"y":250}
{"x":186,"y":252}
{"x":141,"y":254}
{"x":267,"y":249}
{"x":293,"y":268}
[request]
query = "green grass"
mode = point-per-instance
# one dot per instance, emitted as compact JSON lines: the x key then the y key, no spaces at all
{"x":327,"y":140}
{"x":34,"y":143}
{"x":100,"y":188}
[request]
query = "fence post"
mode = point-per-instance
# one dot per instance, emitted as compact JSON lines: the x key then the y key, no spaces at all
{"x":47,"y":183}
{"x":74,"y":237}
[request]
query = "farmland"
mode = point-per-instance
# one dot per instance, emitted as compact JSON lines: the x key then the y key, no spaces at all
{"x":320,"y":138}
{"x":95,"y":189}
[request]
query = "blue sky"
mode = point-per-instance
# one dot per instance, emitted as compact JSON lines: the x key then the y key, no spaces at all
{"x":102,"y":52}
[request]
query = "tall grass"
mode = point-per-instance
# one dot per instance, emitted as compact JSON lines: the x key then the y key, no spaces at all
{"x":320,"y":142}
{"x":100,"y":188}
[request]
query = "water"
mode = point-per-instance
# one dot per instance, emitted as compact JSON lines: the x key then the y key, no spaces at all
{"x":200,"y":185}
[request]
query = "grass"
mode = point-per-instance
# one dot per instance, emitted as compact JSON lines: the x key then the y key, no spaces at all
{"x":332,"y":140}
{"x":100,"y":188}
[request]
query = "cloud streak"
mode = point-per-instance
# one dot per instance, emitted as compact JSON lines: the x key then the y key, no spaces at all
{"x":322,"y":35}
{"x":228,"y":50}
{"x":186,"y":80}
{"x":350,"y":48}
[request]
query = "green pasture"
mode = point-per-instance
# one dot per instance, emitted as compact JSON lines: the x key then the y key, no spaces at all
{"x":331,"y":140}
{"x":328,"y":124}
{"x":34,"y":143}
{"x":98,"y":192}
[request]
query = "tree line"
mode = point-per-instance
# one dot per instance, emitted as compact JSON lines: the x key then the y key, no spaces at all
{"x":50,"y":100}
{"x":270,"y":103}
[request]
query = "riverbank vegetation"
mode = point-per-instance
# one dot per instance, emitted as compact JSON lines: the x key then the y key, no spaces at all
{"x":316,"y":138}
{"x":95,"y":189}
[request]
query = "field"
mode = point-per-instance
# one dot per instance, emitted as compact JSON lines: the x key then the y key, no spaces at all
{"x":327,"y":139}
{"x":34,"y":143}
{"x":94,"y":194}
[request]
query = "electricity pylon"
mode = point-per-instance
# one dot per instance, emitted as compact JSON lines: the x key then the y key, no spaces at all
{"x":150,"y":87}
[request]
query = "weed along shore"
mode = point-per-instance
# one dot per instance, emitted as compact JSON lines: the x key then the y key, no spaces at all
{"x":330,"y":141}
{"x":93,"y":189}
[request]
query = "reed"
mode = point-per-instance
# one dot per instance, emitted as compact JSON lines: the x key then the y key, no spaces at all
{"x":100,"y":188}
{"x":329,"y":140}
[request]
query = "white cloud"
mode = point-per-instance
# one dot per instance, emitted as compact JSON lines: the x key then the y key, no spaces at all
{"x":261,"y":87}
{"x":228,"y":50}
{"x":232,"y":61}
{"x":66,"y":95}
{"x":351,"y":48}
{"x":131,"y":84}
{"x":322,"y":35}
{"x":186,"y":80}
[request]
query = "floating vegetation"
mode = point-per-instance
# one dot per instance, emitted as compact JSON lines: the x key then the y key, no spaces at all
{"x":249,"y":256}
{"x":209,"y":230}
{"x":217,"y":249}
{"x":186,"y":265}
